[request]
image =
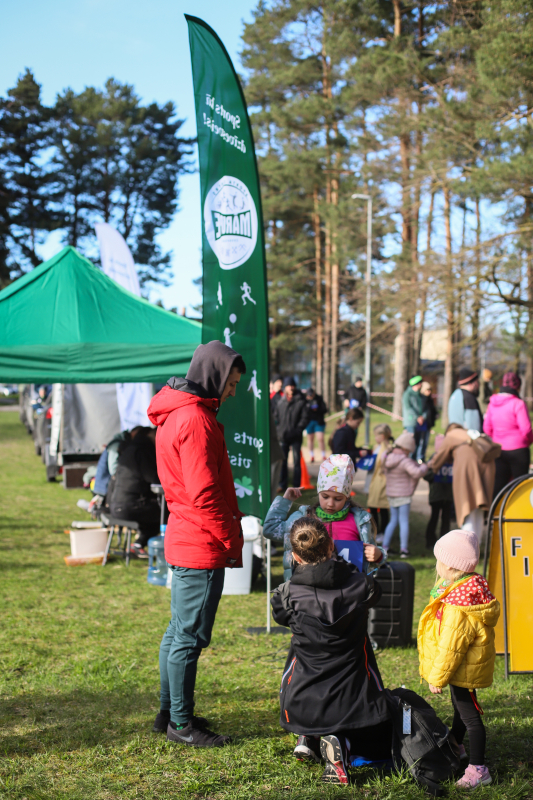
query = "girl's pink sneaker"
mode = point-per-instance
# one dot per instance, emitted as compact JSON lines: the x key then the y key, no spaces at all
{"x":474,"y":776}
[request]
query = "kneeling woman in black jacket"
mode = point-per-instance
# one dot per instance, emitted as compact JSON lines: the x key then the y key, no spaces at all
{"x":331,"y":686}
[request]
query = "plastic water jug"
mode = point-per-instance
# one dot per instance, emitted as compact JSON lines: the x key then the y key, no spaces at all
{"x":157,"y":566}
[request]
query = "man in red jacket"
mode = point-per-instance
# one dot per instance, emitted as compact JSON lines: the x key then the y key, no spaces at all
{"x":203,"y":534}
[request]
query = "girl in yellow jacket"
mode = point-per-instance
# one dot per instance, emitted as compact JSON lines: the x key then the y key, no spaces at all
{"x":456,"y":643}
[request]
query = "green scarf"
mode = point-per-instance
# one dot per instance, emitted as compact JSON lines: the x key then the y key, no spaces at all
{"x":336,"y":517}
{"x":441,"y":586}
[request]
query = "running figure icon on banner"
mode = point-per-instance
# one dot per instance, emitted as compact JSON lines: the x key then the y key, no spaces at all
{"x":253,"y":387}
{"x":246,"y":290}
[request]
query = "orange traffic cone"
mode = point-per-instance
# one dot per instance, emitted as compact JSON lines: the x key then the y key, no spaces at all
{"x":305,"y":482}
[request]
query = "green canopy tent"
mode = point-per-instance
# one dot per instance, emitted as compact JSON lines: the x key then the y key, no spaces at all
{"x":67,"y":322}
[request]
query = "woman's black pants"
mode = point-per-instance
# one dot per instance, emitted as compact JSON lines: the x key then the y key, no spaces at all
{"x":438,"y":507}
{"x":510,"y":464}
{"x":381,"y":517}
{"x":467,"y":718}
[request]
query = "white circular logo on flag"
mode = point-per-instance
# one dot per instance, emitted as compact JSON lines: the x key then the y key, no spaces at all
{"x":230,"y":220}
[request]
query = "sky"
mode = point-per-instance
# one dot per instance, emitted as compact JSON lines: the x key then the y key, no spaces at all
{"x":78,"y":43}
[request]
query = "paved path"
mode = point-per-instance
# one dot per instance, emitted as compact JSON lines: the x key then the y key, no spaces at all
{"x":9,"y":408}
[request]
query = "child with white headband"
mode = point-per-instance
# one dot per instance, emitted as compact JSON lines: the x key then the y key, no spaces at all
{"x":344,"y":519}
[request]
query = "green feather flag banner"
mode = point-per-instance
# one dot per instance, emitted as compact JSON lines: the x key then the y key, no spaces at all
{"x":235,"y":307}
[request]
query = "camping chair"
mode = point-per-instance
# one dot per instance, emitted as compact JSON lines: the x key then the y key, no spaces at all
{"x":120,"y":527}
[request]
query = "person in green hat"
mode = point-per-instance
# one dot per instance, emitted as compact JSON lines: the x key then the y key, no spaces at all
{"x":413,"y":407}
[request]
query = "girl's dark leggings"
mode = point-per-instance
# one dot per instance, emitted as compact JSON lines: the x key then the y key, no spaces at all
{"x":467,"y":718}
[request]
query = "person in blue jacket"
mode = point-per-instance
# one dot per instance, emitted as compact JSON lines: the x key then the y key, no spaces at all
{"x":344,"y":519}
{"x":463,"y":406}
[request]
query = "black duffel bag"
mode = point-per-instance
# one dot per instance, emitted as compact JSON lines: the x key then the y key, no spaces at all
{"x":421,"y":741}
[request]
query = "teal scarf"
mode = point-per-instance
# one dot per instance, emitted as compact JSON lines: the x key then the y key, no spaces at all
{"x":336,"y":517}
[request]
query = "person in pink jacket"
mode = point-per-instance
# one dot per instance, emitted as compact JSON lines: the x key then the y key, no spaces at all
{"x":402,"y":475}
{"x":507,"y":422}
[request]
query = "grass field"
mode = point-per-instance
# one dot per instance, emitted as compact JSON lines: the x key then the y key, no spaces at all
{"x":79,"y":676}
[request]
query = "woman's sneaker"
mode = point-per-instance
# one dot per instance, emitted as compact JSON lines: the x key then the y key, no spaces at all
{"x":307,"y":749}
{"x":334,"y":756}
{"x":405,"y":554}
{"x":474,"y":776}
{"x":379,"y":538}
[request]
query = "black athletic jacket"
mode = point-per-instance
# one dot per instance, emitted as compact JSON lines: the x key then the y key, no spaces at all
{"x":331,"y":680}
{"x":136,"y":470}
{"x":291,"y":418}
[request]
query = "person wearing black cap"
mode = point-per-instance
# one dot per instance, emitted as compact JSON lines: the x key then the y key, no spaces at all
{"x":291,"y":417}
{"x":356,"y":396}
{"x":463,"y":406}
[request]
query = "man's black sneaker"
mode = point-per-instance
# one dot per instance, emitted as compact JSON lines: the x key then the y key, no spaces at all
{"x":163,"y":718}
{"x":195,"y":737}
{"x":161,"y":722}
{"x":307,"y":749}
{"x":334,"y":756}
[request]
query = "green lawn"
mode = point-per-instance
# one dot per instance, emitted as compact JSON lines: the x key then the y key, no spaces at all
{"x":79,"y":677}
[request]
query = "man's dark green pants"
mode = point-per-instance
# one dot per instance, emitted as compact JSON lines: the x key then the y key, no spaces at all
{"x":194,"y":601}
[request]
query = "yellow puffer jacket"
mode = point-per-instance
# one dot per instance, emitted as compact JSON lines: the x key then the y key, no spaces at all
{"x":456,"y":642}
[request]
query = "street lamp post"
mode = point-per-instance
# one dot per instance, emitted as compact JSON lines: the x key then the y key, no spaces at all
{"x":368,"y":304}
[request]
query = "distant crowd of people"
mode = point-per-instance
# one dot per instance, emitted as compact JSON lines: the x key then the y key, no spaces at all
{"x":463,"y":477}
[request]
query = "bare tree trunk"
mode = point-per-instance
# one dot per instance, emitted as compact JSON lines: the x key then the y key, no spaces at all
{"x":424,"y":288}
{"x":334,"y":295}
{"x":318,"y":281}
{"x":397,"y":18}
{"x":401,"y":365}
{"x":401,"y":349}
{"x":327,"y":305}
{"x":476,"y":302}
{"x":450,"y":310}
{"x":529,"y":337}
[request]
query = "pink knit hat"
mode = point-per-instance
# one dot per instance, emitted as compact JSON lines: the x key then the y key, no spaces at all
{"x":458,"y":550}
{"x":406,"y":440}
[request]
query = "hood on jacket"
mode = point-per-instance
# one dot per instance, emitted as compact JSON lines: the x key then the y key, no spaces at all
{"x":330,"y":574}
{"x":501,"y":399}
{"x":474,"y":598}
{"x":488,"y":613}
{"x":208,"y":372}
{"x":168,"y":400}
{"x":206,"y":378}
{"x":392,"y":459}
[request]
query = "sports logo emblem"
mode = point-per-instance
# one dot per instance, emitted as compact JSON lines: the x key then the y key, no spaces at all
{"x":230,"y":220}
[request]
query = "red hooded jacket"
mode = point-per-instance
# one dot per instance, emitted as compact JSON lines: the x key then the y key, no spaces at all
{"x":204,"y":529}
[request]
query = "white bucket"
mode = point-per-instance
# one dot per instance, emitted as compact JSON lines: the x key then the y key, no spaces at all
{"x":239,"y":581}
{"x":88,"y":542}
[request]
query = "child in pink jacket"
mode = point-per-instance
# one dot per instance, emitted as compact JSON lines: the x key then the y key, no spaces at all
{"x":507,"y":422}
{"x":402,"y":475}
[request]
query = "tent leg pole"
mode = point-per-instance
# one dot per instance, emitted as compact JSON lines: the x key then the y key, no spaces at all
{"x":268,"y":580}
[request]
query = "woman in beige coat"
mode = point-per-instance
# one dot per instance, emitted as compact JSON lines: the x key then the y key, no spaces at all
{"x":377,"y":501}
{"x":473,"y":481}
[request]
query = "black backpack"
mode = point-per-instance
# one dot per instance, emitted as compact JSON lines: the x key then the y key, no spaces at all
{"x":421,"y":740}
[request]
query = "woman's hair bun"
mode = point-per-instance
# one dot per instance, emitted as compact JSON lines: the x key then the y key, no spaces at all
{"x":310,"y":540}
